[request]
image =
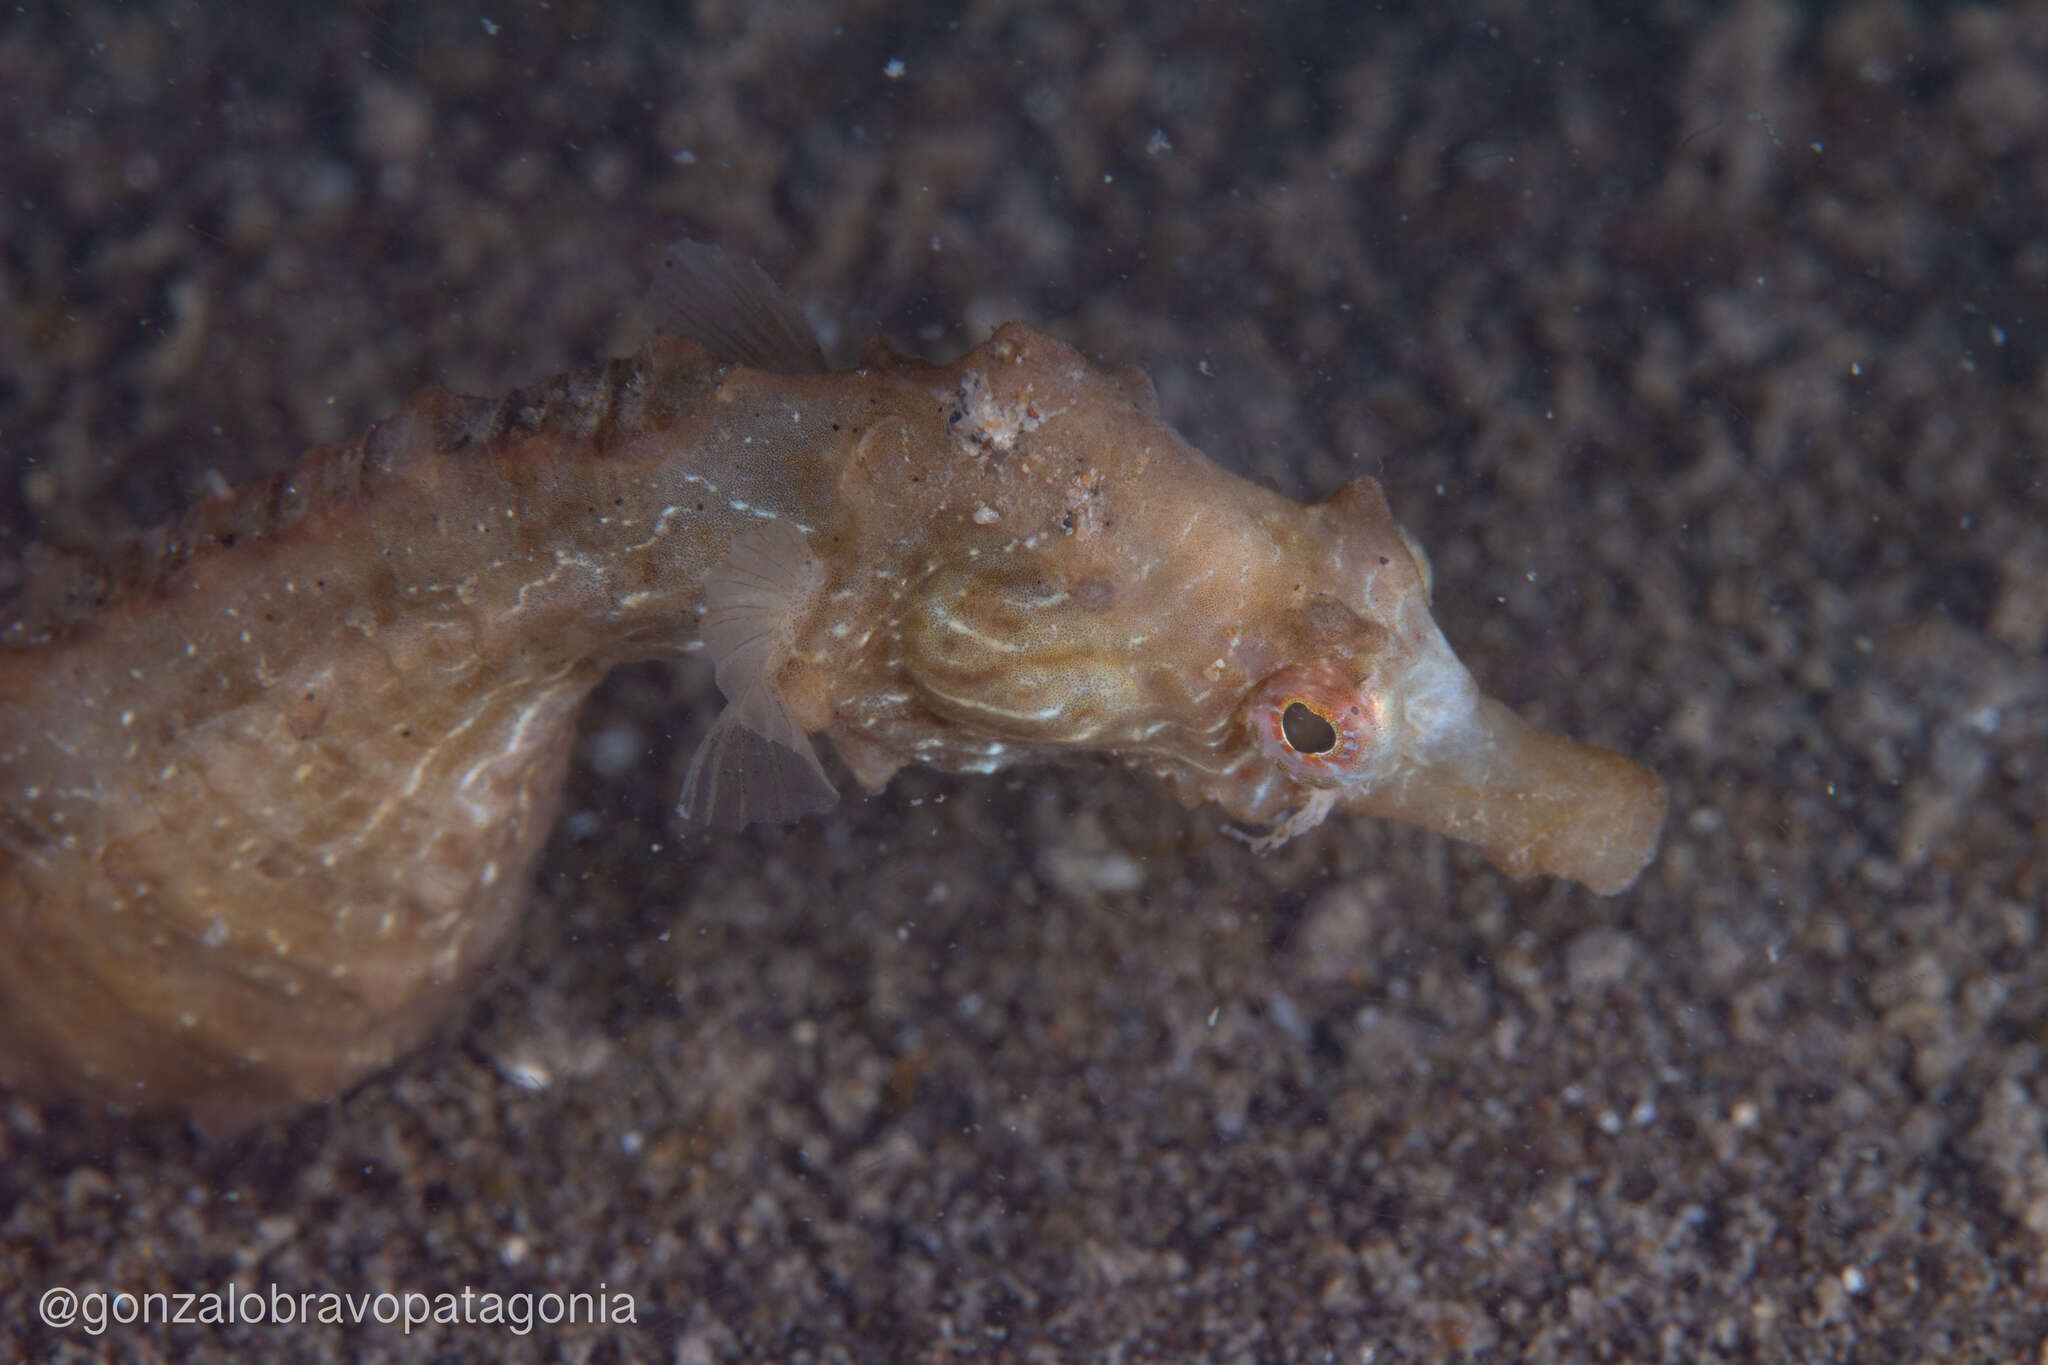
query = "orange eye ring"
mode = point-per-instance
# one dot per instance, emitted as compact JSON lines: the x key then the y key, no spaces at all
{"x":1316,"y":721}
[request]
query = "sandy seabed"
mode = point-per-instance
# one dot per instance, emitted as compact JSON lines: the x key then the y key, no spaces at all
{"x":1705,"y":348}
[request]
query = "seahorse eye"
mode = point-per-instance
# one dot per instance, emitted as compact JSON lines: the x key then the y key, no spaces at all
{"x":1319,"y":722}
{"x":1306,"y":731}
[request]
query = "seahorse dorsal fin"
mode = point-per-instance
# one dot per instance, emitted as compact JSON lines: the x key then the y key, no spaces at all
{"x":733,"y":310}
{"x":757,"y":763}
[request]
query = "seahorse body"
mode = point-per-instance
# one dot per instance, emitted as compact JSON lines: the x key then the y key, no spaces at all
{"x":273,"y":777}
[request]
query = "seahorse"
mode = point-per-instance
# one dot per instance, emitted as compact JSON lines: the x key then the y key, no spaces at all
{"x":274,"y":775}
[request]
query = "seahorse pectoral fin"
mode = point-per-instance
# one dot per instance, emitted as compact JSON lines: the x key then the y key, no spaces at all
{"x":757,"y":763}
{"x":745,"y":772}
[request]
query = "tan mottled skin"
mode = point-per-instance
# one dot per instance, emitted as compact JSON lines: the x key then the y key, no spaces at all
{"x":273,"y":777}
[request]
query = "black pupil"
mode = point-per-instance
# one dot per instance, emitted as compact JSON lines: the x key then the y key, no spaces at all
{"x":1307,"y":732}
